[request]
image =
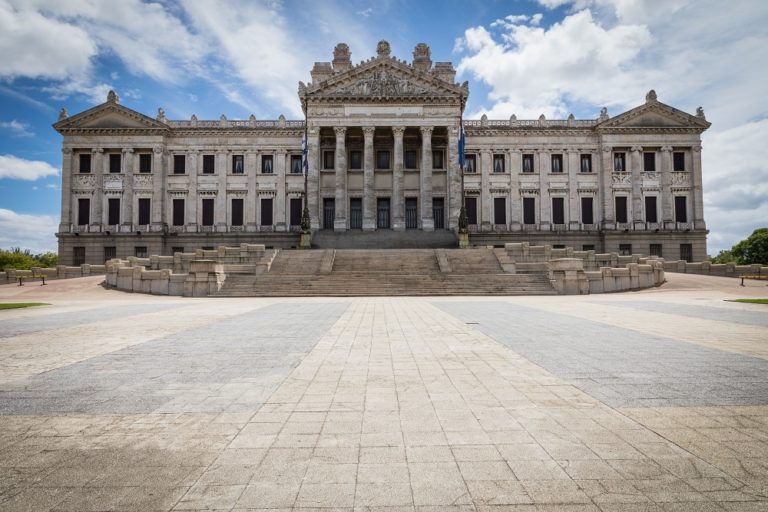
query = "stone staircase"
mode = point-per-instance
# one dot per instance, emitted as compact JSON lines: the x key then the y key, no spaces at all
{"x":385,"y":272}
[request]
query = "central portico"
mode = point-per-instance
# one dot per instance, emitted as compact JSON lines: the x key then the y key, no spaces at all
{"x":383,"y":142}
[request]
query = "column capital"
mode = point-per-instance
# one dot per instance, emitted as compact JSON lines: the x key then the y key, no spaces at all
{"x":66,"y":151}
{"x":398,"y":130}
{"x":157,"y":150}
{"x":666,"y":149}
{"x":97,"y":150}
{"x":607,"y":149}
{"x":636,"y":149}
{"x":368,"y":130}
{"x":426,"y":130}
{"x":696,"y":149}
{"x":340,"y":130}
{"x":128,"y":150}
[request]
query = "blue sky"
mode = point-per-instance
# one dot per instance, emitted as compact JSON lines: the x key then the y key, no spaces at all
{"x":245,"y":57}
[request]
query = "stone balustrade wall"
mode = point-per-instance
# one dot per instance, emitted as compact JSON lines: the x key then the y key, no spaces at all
{"x":59,"y":272}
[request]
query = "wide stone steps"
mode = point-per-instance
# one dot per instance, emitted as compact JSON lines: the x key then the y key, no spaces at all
{"x":386,"y":260}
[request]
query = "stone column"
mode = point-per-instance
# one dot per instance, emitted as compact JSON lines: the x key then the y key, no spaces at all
{"x":252,"y":168}
{"x":545,"y":209}
{"x":427,"y":220}
{"x":515,"y":205}
{"x":67,"y":163}
{"x":158,"y":187}
{"x":453,"y":179}
{"x":99,"y":168}
{"x":193,"y":158}
{"x":280,"y":224}
{"x":127,"y":206}
{"x":369,"y":198}
{"x":398,"y":181}
{"x":340,"y":218}
{"x":606,"y":188}
{"x":667,"y":201}
{"x":698,"y":197}
{"x":636,"y":164}
{"x":573,"y":167}
{"x":220,"y":206}
{"x":485,"y":190}
{"x":313,"y":178}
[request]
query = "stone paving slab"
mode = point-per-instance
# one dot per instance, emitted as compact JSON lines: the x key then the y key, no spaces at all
{"x":731,"y":315}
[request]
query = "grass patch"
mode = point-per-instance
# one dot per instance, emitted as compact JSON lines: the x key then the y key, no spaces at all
{"x":751,"y":301}
{"x":18,"y":305}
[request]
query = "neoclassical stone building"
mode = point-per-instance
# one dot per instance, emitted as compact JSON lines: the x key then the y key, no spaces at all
{"x":383,"y":138}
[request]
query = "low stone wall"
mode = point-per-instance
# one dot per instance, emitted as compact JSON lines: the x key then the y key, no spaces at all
{"x":715,"y":269}
{"x":60,"y":272}
{"x":195,"y":274}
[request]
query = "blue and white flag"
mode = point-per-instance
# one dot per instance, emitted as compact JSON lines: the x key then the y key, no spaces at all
{"x":461,"y":144}
{"x":304,"y":155}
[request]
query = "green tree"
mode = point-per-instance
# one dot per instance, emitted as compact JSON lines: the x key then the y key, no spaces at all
{"x":48,"y":259}
{"x":724,"y":256}
{"x":754,"y":249}
{"x":16,"y":258}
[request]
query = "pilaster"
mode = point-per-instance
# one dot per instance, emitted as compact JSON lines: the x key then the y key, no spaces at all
{"x":340,"y":218}
{"x":698,"y":197}
{"x":313,"y":177}
{"x":99,"y":168}
{"x":66,"y":190}
{"x":398,"y":181}
{"x":427,"y":220}
{"x":485,"y":190}
{"x":606,"y":184}
{"x":667,"y":206}
{"x":252,"y":163}
{"x":637,"y":181}
{"x":453,"y":178}
{"x":573,"y":167}
{"x":221,"y":208}
{"x":369,"y":199}
{"x":280,"y":224}
{"x":158,"y":186}
{"x":193,"y":160}
{"x":127,"y":202}
{"x":545,"y":203}
{"x":515,"y":205}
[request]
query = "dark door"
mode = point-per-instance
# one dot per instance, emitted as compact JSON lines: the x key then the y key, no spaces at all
{"x":411,"y":213}
{"x":296,"y":211}
{"x":499,"y":210}
{"x":355,"y":213}
{"x":266,"y":212}
{"x":438,"y":212}
{"x":329,"y":212}
{"x":382,"y":213}
{"x":470,"y":203}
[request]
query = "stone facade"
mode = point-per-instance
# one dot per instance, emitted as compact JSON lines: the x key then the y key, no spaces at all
{"x":382,"y":139}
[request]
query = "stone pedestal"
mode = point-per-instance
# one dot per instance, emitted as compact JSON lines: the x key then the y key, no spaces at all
{"x":305,"y":241}
{"x":463,"y":240}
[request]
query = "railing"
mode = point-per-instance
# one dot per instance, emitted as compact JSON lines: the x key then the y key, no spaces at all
{"x":235,"y":124}
{"x":546,"y":123}
{"x":356,"y":219}
{"x":411,"y":218}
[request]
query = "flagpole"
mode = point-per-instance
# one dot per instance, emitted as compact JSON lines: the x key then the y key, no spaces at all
{"x":463,"y":221}
{"x":306,"y":225}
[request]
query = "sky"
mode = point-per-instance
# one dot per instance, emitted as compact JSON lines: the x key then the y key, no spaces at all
{"x":243,"y":57}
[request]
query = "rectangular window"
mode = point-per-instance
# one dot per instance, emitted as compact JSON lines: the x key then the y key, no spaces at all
{"x":649,"y":161}
{"x":619,"y":162}
{"x":328,"y":160}
{"x":529,"y":210}
{"x":110,"y":253}
{"x":85,"y":162}
{"x":145,"y":162}
{"x":179,"y":164}
{"x":586,"y":163}
{"x":588,"y":247}
{"x":355,"y":159}
{"x":681,"y":210}
{"x":557,"y":162}
{"x":356,"y":212}
{"x":621,"y":209}
{"x":438,"y":212}
{"x":382,"y":159}
{"x":329,"y":212}
{"x":470,"y":164}
{"x":115,"y":162}
{"x":678,"y":161}
{"x":296,"y":164}
{"x":527,"y":163}
{"x":411,"y":160}
{"x":586,"y":211}
{"x":238,"y":164}
{"x":209,"y":164}
{"x":237,"y":212}
{"x":267,"y":164}
{"x":207,"y":212}
{"x":411,"y":213}
{"x":470,"y":203}
{"x":686,"y":252}
{"x":382,"y":213}
{"x":651,"y":214}
{"x":296,"y":208}
{"x":174,"y":250}
{"x":437,"y":159}
{"x":78,"y":256}
{"x":558,"y":210}
{"x":498,"y":164}
{"x":178,"y":212}
{"x":141,"y":251}
{"x":625,"y":249}
{"x":655,"y":250}
{"x":499,"y":210}
{"x":83,"y":211}
{"x":266,"y":211}
{"x":144,"y":209}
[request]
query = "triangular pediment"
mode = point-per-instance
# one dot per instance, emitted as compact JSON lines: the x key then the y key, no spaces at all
{"x":108,"y":116}
{"x":654,"y":114}
{"x":384,"y":78}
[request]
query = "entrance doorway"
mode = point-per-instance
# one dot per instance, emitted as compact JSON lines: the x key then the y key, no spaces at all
{"x":329,"y":212}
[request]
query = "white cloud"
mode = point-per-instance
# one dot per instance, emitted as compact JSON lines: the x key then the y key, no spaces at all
{"x":365,"y":12}
{"x":15,"y":168}
{"x":16,"y":128}
{"x":33,"y":232}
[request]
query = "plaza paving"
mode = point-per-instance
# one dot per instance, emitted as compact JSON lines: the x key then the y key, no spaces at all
{"x":647,"y":401}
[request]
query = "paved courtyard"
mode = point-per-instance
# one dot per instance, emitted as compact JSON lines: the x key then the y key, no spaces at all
{"x":647,"y":401}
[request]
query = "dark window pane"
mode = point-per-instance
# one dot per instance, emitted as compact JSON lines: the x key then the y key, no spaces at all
{"x":144,"y":209}
{"x":382,"y":159}
{"x":586,"y":211}
{"x":498,"y":164}
{"x":115,"y":161}
{"x":355,"y":159}
{"x":438,"y":212}
{"x":328,"y":159}
{"x":529,"y":210}
{"x":145,"y":162}
{"x":296,"y":209}
{"x":209,"y":164}
{"x":329,"y":212}
{"x":178,"y":212}
{"x":625,"y":249}
{"x":237,"y":212}
{"x":686,"y":252}
{"x":649,"y":161}
{"x":655,"y":250}
{"x":174,"y":250}
{"x":650,"y":209}
{"x":621,"y":209}
{"x":470,"y":163}
{"x":470,"y":204}
{"x":527,"y":163}
{"x":267,"y":164}
{"x":411,"y":213}
{"x":619,"y":162}
{"x":586,"y":163}
{"x":238,"y":164}
{"x":588,"y":247}
{"x":179,"y":164}
{"x":558,"y":210}
{"x":207,"y":212}
{"x":679,"y":161}
{"x":410,"y":159}
{"x":141,"y":251}
{"x":557,"y":163}
{"x":356,"y":212}
{"x":499,"y":210}
{"x":382,"y":213}
{"x":266,"y":212}
{"x":83,"y":211}
{"x":78,"y":256}
{"x":296,"y":161}
{"x":110,"y":253}
{"x":437,"y":159}
{"x":681,"y":211}
{"x":85,"y":162}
